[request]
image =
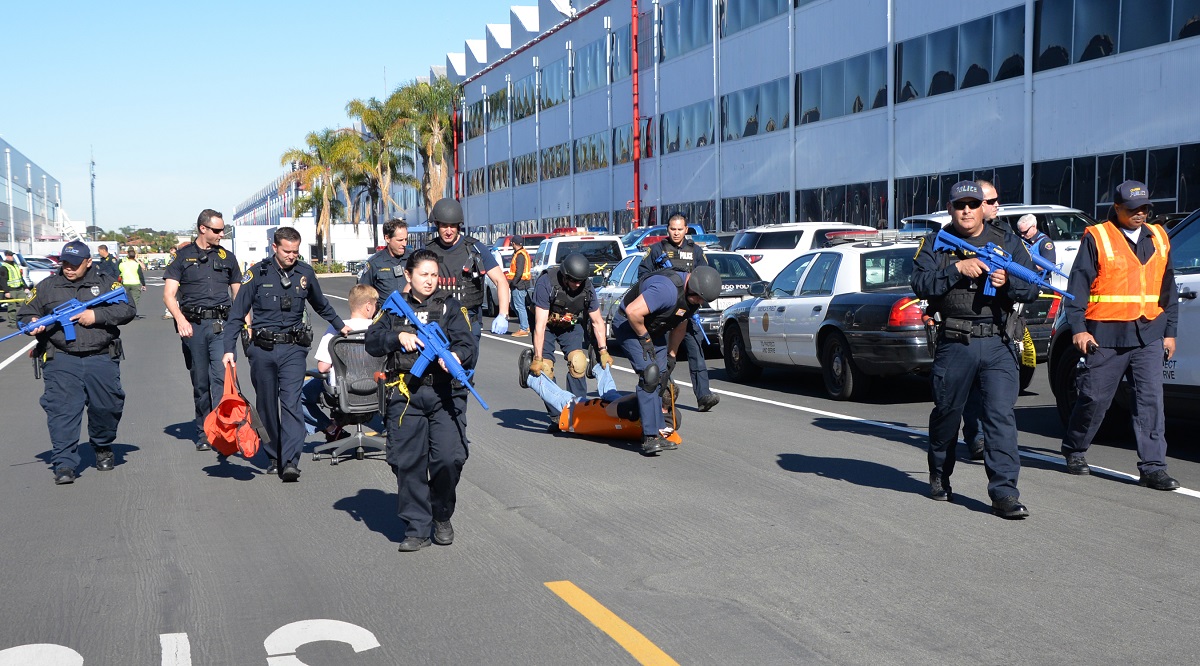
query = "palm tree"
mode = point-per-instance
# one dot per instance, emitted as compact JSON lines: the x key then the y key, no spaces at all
{"x":432,"y":106}
{"x":315,"y":170}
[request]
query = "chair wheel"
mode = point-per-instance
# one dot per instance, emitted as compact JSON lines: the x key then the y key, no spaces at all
{"x":333,"y":460}
{"x":359,"y":454}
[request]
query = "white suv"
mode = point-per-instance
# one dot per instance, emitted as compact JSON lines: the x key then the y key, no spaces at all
{"x":772,"y":246}
{"x":603,"y":253}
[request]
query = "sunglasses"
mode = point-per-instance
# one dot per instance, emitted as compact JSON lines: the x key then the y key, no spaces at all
{"x":992,"y":202}
{"x":972,"y":204}
{"x":215,"y":230}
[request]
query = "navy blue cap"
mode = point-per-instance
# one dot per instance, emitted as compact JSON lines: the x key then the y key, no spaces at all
{"x":75,"y":252}
{"x":1132,"y":195}
{"x":8,"y":253}
{"x":966,"y":189}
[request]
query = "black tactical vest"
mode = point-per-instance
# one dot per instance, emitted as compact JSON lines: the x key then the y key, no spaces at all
{"x":460,"y":271}
{"x":965,"y":300}
{"x":565,"y":310}
{"x":682,"y":258}
{"x":658,"y":323}
{"x":432,"y":310}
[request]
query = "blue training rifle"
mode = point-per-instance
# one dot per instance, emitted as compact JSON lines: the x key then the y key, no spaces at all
{"x":664,"y":261}
{"x":435,"y":345}
{"x":63,"y":313}
{"x":995,"y":258}
{"x":1046,"y":265}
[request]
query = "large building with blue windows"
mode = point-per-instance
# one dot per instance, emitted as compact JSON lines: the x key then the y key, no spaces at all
{"x":865,"y":111}
{"x":30,"y":199}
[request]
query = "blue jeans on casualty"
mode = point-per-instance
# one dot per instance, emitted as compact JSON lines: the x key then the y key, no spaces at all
{"x":556,"y":397}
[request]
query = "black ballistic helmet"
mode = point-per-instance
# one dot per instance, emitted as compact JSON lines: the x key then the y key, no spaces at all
{"x":447,"y":211}
{"x":705,"y":282}
{"x":575,"y":266}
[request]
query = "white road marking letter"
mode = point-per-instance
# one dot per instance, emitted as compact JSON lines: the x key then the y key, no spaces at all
{"x":281,"y":645}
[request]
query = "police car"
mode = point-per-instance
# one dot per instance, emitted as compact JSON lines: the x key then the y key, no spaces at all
{"x":1181,"y":374}
{"x":603,"y":253}
{"x":847,"y":311}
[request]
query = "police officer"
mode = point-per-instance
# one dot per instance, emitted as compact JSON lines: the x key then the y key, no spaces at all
{"x":14,"y":285}
{"x":197,"y":292}
{"x":649,"y":326}
{"x":1124,"y":320}
{"x":133,"y":277}
{"x":1037,"y":242}
{"x":84,"y":372}
{"x":563,"y":297}
{"x":428,"y":447}
{"x":385,"y":268}
{"x":107,"y":264}
{"x":681,"y":253}
{"x":974,"y":343}
{"x":464,"y":263}
{"x":274,"y":292}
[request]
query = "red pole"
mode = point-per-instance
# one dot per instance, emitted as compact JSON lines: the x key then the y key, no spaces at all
{"x":457,"y":195}
{"x":637,"y":120}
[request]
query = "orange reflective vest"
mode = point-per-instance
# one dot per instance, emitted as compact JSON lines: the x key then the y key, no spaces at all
{"x":512,"y":265}
{"x":1125,"y":289}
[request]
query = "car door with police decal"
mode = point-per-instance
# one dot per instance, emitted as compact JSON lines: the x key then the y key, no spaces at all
{"x":768,"y":319}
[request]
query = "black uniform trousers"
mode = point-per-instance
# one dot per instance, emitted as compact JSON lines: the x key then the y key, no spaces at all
{"x":202,"y":355}
{"x":427,"y":448}
{"x":74,"y":383}
{"x":955,"y":368}
{"x":475,"y":314}
{"x":1098,"y":382}
{"x":696,"y":365}
{"x":649,"y":402}
{"x":568,"y":340}
{"x":278,"y":377}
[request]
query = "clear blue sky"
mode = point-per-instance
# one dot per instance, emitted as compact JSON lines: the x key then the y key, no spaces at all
{"x":189,"y":105}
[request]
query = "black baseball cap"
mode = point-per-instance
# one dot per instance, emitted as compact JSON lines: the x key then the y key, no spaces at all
{"x":75,"y":252}
{"x":1132,"y":195}
{"x":966,"y":189}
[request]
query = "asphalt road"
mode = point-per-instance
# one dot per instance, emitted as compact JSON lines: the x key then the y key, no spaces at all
{"x":788,"y":529}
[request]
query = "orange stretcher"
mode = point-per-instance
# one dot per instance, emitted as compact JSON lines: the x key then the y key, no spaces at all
{"x":617,"y":419}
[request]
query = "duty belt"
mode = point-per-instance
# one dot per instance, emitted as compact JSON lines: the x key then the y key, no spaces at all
{"x":276,"y":337}
{"x":206,"y":313}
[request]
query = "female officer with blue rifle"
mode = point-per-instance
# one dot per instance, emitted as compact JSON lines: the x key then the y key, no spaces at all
{"x":427,"y":439}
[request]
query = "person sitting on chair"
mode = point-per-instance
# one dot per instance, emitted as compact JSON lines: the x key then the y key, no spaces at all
{"x":362,"y":310}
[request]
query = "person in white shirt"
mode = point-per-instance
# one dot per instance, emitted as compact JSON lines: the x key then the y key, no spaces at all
{"x":363,"y":299}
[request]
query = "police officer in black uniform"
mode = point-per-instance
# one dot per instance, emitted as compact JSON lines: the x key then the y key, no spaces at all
{"x":464,"y":262}
{"x":385,"y":268}
{"x":198,"y":284}
{"x":82,"y":373}
{"x":427,"y":442}
{"x":275,"y":291}
{"x":976,"y":341}
{"x":107,"y":263}
{"x":650,"y":326}
{"x":681,"y":253}
{"x":563,"y":299}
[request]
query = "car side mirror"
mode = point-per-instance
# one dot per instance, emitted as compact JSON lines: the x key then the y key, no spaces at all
{"x":758,"y":289}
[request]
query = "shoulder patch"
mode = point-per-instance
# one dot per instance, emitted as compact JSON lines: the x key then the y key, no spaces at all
{"x":303,"y":282}
{"x":247,"y":277}
{"x":32,"y":295}
{"x":378,"y":316}
{"x":221,"y":253}
{"x":114,"y":286}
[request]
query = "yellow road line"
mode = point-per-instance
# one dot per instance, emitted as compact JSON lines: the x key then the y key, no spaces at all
{"x":626,"y":636}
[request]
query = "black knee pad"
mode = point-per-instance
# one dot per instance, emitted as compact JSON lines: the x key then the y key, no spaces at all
{"x":650,"y":378}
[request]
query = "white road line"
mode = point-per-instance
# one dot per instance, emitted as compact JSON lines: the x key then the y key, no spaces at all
{"x":881,"y":424}
{"x":24,"y":350}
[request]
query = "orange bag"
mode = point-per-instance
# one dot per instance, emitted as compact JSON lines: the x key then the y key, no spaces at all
{"x":233,"y":425}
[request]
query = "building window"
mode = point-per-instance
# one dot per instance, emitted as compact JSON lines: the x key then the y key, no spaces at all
{"x":591,"y":152}
{"x":622,"y":143}
{"x":686,"y":26}
{"x":975,"y":53}
{"x":523,"y":101}
{"x":1161,"y":173}
{"x":1145,"y":23}
{"x":1096,"y":28}
{"x":1052,"y":21}
{"x":590,"y":67}
{"x":1189,"y":175}
{"x":497,"y":115}
{"x":833,"y":91}
{"x":555,"y":86}
{"x":755,"y":110}
{"x":808,"y":96}
{"x":524,"y":169}
{"x":736,"y":15}
{"x":1008,"y":44}
{"x":692,"y":126}
{"x":622,"y":54}
{"x":556,"y":161}
{"x":476,"y":120}
{"x":910,"y":69}
{"x":942,"y":50}
{"x":1186,"y":20}
{"x":498,"y":176}
{"x":1052,"y":182}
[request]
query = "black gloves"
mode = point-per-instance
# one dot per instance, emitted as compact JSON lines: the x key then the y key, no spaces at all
{"x":670,"y":365}
{"x":647,"y":348}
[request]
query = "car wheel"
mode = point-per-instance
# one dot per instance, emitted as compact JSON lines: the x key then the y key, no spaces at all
{"x":490,"y":307}
{"x":843,"y":379}
{"x":738,"y":365}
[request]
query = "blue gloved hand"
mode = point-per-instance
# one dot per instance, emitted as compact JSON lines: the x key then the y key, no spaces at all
{"x":500,"y":326}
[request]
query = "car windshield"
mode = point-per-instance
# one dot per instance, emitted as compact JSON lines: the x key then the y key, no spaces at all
{"x":777,"y":240}
{"x":39,"y":263}
{"x":732,"y":267}
{"x":1185,"y":248}
{"x":1065,"y":226}
{"x":596,"y":251}
{"x":632,"y":237}
{"x":886,"y":269}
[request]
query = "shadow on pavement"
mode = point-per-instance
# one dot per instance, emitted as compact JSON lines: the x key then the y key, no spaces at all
{"x":376,"y":509}
{"x":186,"y":431}
{"x":920,"y":441}
{"x":523,"y":419}
{"x":868,"y":474}
{"x":223,"y":469}
{"x":903,"y":390}
{"x":87,"y":455}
